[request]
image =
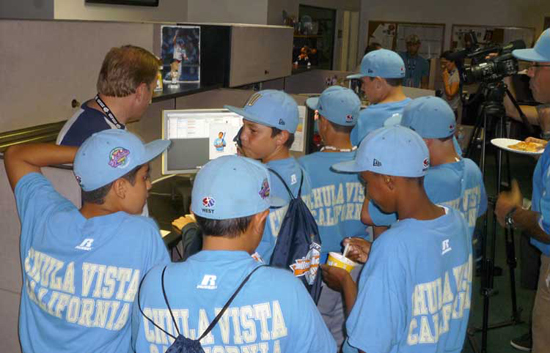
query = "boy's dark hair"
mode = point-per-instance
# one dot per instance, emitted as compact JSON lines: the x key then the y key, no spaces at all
{"x":229,"y":228}
{"x":97,"y":196}
{"x":447,"y":55}
{"x":340,"y":128}
{"x":394,"y":82}
{"x":419,"y":180}
{"x":289,"y":141}
{"x":445,"y":139}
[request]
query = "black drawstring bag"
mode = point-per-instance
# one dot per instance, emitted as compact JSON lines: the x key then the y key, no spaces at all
{"x":183,"y":344}
{"x":298,"y":244}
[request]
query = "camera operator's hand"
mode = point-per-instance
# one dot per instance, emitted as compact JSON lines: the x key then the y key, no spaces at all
{"x":507,"y":200}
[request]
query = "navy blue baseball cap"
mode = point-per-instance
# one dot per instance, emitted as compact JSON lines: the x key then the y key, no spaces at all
{"x":541,"y":51}
{"x":394,"y":150}
{"x":338,"y":104}
{"x":109,"y":154}
{"x":232,"y":187}
{"x":271,"y":108}
{"x":381,"y":63}
{"x":431,"y":117}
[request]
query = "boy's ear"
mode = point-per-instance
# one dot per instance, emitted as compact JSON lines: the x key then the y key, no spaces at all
{"x":281,"y":138}
{"x":389,"y":181}
{"x":120,"y":188}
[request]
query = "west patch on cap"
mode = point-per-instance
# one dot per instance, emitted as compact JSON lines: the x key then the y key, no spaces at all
{"x":394,"y":150}
{"x":381,"y":63}
{"x":108,"y":155}
{"x":337,"y":104}
{"x":232,"y":187}
{"x":271,"y":108}
{"x":431,"y":117}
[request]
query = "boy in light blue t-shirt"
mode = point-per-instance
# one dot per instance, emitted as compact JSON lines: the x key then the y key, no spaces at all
{"x":451,"y":181}
{"x":81,"y":268}
{"x":415,"y":289}
{"x":382,"y":73}
{"x":336,"y":198}
{"x":270,"y":119}
{"x":272,"y":312}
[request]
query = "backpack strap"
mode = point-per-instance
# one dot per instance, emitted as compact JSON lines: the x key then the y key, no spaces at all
{"x":292,"y":197}
{"x":226,"y":306}
{"x":212,"y":324}
{"x":148,"y":318}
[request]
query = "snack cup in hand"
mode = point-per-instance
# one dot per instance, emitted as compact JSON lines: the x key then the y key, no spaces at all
{"x":338,"y":260}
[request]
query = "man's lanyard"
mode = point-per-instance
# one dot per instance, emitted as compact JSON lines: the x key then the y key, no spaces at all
{"x":108,"y":113}
{"x":411,"y":65}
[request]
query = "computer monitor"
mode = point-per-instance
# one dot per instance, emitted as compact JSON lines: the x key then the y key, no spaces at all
{"x":198,"y":136}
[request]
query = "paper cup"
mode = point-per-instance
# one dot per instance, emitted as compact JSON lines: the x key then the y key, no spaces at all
{"x":338,"y":260}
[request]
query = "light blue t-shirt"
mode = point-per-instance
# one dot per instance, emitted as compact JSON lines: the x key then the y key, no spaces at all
{"x":457,"y":185}
{"x":291,"y":172}
{"x":374,"y":116}
{"x":415,"y":289}
{"x":336,"y":200}
{"x":416,"y":67}
{"x":273,"y":312}
{"x":540,"y":198}
{"x":80,"y":276}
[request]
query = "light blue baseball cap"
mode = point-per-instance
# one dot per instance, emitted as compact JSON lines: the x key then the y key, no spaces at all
{"x":232,"y":187}
{"x":381,"y":63}
{"x":272,"y":108}
{"x":338,"y":104}
{"x":394,"y":150}
{"x":541,"y":51}
{"x":431,"y":117}
{"x":109,"y":154}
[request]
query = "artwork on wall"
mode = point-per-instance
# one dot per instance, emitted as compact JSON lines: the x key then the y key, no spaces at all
{"x":180,"y":53}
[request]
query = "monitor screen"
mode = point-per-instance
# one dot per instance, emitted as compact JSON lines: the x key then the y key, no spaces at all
{"x":197,"y":136}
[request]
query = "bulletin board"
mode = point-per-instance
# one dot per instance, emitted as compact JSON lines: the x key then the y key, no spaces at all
{"x":392,"y":34}
{"x":492,"y":35}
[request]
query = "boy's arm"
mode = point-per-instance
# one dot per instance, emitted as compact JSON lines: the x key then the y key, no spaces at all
{"x":21,"y":160}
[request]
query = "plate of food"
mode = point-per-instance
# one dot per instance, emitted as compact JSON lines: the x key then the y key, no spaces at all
{"x":517,"y":146}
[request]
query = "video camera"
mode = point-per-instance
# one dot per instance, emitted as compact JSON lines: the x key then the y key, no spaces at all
{"x":493,"y":69}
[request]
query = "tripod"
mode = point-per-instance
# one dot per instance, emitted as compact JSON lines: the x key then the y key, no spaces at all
{"x":491,"y":121}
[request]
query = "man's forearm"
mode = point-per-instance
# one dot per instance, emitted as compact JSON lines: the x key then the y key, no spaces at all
{"x":528,"y":221}
{"x":21,"y":160}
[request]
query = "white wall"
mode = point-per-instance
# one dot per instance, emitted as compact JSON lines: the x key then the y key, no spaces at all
{"x":523,"y":13}
{"x":233,"y":11}
{"x":167,"y":11}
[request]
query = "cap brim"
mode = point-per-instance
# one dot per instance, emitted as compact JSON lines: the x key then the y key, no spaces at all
{"x":529,"y":55}
{"x":359,"y":75}
{"x":313,"y":103}
{"x":275,"y":201}
{"x":349,"y":167}
{"x":247,"y":115}
{"x":154,"y":148}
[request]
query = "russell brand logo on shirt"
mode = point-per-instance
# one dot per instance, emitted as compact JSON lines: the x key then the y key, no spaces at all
{"x":85,"y":245}
{"x":445,"y":247}
{"x":208,"y":282}
{"x":376,"y":163}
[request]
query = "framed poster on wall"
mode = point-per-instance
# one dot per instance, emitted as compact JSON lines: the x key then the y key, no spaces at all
{"x":180,"y":52}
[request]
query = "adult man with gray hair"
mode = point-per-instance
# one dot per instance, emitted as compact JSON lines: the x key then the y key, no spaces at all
{"x":535,"y":221}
